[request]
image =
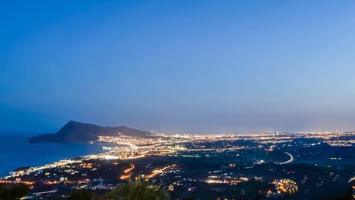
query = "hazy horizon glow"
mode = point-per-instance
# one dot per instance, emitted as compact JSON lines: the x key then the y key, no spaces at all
{"x":186,"y":66}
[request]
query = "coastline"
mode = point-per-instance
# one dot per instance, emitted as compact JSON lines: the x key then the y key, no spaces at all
{"x":18,"y":152}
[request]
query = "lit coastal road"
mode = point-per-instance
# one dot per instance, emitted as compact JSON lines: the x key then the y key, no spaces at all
{"x":288,"y":161}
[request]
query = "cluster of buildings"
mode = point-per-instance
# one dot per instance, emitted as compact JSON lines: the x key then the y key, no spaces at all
{"x":285,"y":186}
{"x":169,"y":160}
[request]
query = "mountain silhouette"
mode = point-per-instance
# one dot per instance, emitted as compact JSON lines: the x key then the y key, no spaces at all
{"x":78,"y":132}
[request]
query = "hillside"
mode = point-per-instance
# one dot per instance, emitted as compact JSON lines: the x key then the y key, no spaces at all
{"x":77,"y":132}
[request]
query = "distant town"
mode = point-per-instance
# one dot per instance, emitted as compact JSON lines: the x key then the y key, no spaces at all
{"x":265,"y":165}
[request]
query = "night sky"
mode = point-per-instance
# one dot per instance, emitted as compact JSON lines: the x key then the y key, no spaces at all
{"x":180,"y":65}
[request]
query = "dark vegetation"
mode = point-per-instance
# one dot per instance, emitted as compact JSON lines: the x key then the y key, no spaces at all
{"x":13,"y":192}
{"x":133,"y":190}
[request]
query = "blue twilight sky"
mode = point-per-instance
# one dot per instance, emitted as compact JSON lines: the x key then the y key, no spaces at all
{"x":183,"y":65}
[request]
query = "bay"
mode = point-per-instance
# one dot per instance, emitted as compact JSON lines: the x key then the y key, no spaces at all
{"x":15,"y":152}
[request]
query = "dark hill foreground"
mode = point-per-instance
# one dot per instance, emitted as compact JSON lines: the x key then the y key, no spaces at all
{"x":77,"y":132}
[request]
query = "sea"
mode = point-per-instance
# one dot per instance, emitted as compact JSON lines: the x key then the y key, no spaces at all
{"x":15,"y":152}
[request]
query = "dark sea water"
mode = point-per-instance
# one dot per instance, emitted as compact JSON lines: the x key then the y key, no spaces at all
{"x":15,"y":151}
